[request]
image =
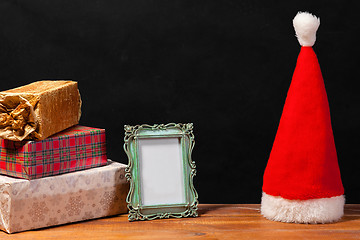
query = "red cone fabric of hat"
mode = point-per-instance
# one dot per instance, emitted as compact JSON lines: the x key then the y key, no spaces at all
{"x":302,"y":182}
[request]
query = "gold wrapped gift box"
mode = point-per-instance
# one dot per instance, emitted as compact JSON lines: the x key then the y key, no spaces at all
{"x":71,"y":197}
{"x":39,"y":110}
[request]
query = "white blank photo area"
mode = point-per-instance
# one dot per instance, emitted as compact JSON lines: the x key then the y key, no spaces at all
{"x":161,"y":171}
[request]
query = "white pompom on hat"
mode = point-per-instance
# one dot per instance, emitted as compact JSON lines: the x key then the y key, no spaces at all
{"x":306,"y":25}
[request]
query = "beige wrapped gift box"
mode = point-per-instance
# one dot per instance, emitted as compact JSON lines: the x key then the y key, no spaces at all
{"x":71,"y":197}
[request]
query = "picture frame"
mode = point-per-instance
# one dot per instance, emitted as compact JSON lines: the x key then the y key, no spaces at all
{"x":160,"y":171}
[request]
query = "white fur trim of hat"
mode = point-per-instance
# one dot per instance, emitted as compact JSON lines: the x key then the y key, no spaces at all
{"x":321,"y":210}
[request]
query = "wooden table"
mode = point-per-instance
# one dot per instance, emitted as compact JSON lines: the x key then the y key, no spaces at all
{"x":216,"y":221}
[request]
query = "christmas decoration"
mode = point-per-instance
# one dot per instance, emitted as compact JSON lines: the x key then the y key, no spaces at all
{"x":302,"y":182}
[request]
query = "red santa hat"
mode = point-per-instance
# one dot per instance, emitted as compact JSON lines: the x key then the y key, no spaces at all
{"x":302,"y":182}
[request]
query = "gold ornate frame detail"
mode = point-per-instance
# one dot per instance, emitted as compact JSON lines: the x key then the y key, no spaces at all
{"x":138,"y":211}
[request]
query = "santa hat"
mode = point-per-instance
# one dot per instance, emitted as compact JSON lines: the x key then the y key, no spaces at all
{"x":302,"y":182}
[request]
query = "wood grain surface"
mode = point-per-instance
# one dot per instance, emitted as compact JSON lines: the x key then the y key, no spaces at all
{"x":216,"y":221}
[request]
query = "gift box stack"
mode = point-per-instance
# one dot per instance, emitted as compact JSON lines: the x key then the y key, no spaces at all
{"x":39,"y":142}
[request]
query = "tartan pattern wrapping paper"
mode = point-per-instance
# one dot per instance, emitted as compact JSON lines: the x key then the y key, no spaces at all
{"x":74,"y":149}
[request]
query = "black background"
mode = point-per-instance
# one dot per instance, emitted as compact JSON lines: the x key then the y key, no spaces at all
{"x":224,"y":65}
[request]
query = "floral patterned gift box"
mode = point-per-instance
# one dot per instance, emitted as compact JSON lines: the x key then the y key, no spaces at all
{"x":73,"y":149}
{"x":71,"y":197}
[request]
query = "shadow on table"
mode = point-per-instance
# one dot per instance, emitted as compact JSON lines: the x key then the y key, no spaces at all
{"x":351,"y":213}
{"x":349,"y":218}
{"x":205,"y":208}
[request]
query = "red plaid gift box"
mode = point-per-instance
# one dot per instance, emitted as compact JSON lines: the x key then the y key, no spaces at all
{"x":74,"y":149}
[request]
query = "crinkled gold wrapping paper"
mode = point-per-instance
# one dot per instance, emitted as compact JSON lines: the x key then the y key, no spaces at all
{"x":39,"y":110}
{"x":72,"y":197}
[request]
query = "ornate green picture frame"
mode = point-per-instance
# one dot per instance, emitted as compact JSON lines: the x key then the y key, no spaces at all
{"x":160,"y":171}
